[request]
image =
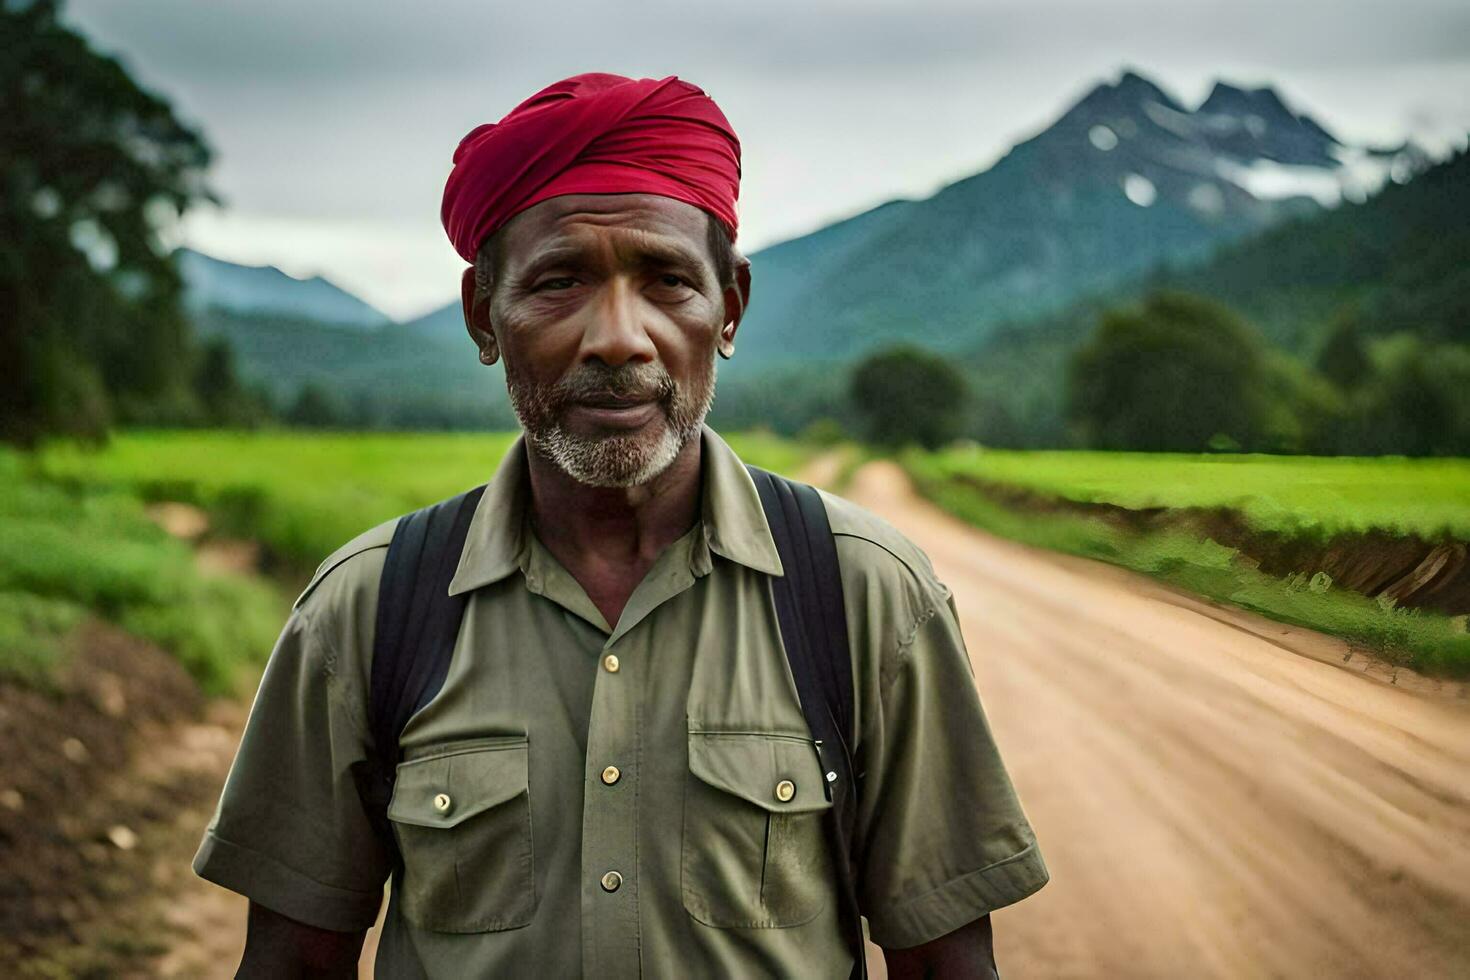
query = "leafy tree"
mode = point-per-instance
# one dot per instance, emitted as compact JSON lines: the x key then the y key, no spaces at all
{"x":1416,"y":404}
{"x":1343,"y":359}
{"x":93,"y":165}
{"x":908,"y":395}
{"x":225,"y":400}
{"x":1179,"y":373}
{"x":315,"y":408}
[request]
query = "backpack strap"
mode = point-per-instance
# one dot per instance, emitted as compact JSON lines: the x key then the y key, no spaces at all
{"x":413,"y":641}
{"x":809,"y":607}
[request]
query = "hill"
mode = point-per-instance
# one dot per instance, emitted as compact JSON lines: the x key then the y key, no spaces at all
{"x":1124,"y":179}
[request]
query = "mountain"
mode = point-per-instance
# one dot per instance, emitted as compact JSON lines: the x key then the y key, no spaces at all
{"x":444,"y":325}
{"x":211,"y":283}
{"x":1395,"y":264}
{"x":1125,"y":179}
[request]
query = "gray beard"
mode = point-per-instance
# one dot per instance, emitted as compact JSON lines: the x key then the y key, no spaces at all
{"x":618,"y":460}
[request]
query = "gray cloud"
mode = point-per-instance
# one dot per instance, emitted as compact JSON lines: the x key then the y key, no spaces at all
{"x":331,"y":111}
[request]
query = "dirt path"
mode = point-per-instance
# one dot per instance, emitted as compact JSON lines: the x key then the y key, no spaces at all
{"x":1215,"y":794}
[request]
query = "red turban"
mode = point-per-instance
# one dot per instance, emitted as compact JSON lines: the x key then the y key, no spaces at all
{"x":594,"y":134}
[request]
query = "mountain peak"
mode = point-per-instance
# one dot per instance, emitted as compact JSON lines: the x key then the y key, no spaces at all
{"x":1231,"y":99}
{"x":1136,"y":89}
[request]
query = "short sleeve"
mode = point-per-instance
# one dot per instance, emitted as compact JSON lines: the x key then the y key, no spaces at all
{"x":941,"y":834}
{"x":290,"y":831}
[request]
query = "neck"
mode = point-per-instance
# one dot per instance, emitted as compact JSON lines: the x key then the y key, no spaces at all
{"x":614,"y":525}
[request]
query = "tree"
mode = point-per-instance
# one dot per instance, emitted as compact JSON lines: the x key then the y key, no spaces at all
{"x":1179,"y":373}
{"x":1343,"y":359}
{"x":93,"y":165}
{"x":1416,"y":404}
{"x":314,"y":408}
{"x":908,"y":395}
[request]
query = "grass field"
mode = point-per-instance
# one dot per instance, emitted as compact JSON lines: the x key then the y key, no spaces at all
{"x":304,"y":495}
{"x":67,"y":553}
{"x":1312,"y":497}
{"x":1307,"y":495}
{"x":75,"y":540}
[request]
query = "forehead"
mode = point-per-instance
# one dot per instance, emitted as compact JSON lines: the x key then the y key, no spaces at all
{"x":569,"y":218}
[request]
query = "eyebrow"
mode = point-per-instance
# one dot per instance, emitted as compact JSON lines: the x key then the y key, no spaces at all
{"x":653,"y":253}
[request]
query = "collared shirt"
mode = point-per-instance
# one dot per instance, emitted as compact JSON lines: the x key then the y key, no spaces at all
{"x":633,"y":799}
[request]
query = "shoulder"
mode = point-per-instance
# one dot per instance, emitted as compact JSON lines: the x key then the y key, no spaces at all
{"x":350,"y":568}
{"x":874,"y":553}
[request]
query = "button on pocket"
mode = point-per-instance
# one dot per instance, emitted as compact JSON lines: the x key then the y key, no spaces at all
{"x":462,"y":815}
{"x":754,"y":851}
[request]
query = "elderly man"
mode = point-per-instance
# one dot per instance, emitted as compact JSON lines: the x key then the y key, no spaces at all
{"x":614,"y":774}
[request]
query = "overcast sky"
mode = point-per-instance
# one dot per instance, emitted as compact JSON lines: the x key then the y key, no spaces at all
{"x":334,"y":123}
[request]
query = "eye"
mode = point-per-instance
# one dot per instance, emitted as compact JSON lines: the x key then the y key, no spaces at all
{"x":552,"y":283}
{"x":672,"y":281}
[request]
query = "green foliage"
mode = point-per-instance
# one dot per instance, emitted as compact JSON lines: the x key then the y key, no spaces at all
{"x":226,"y":401}
{"x":1323,"y":289}
{"x":303,"y":495}
{"x":93,"y":166}
{"x":1298,"y":495}
{"x":1169,"y":376}
{"x":1343,"y":359}
{"x":66,"y":553}
{"x":1425,"y":641}
{"x":315,"y":408}
{"x":907,"y":395}
{"x":33,"y":634}
{"x":1416,"y":402}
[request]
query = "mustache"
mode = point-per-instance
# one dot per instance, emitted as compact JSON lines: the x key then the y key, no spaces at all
{"x":594,"y":380}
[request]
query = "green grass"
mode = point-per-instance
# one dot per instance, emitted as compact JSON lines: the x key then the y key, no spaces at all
{"x":1424,"y":641}
{"x":66,"y":553}
{"x":76,"y":541}
{"x":1302,"y":495}
{"x":304,"y":495}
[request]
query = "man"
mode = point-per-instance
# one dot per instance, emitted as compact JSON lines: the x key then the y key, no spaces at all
{"x":616,"y":777}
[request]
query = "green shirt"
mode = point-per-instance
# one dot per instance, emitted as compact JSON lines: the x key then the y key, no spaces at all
{"x":583,"y":798}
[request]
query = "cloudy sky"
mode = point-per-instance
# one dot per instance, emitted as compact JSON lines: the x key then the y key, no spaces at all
{"x":333,"y":122}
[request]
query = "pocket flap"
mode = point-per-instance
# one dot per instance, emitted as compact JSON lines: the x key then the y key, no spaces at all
{"x":761,"y":768}
{"x":445,"y":788}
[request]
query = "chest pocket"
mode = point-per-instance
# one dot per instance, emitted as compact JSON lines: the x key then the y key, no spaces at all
{"x":754,"y":853}
{"x":462,"y":815}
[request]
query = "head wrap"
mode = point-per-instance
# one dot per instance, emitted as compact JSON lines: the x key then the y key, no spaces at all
{"x":594,"y":134}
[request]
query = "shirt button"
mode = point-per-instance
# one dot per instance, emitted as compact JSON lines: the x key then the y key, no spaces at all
{"x":610,"y":775}
{"x":785,"y":790}
{"x":611,"y":881}
{"x":442,"y":802}
{"x":610,"y":663}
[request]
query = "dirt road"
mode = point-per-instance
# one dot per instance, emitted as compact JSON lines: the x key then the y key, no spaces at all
{"x":1214,"y":793}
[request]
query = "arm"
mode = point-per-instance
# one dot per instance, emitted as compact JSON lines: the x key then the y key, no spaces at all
{"x":968,"y":952}
{"x":278,"y":947}
{"x":943,"y":840}
{"x":291,"y":831}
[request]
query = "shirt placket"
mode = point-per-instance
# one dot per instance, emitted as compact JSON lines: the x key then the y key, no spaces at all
{"x":610,"y":941}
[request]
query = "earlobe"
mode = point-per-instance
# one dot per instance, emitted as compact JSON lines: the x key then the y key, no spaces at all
{"x":476,"y":306}
{"x":737,"y":298}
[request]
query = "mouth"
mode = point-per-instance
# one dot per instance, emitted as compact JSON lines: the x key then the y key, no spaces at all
{"x":617,"y":413}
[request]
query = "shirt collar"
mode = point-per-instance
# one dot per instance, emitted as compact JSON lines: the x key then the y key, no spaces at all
{"x":735,"y":525}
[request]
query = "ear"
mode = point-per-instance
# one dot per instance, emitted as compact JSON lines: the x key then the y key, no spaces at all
{"x":737,"y":298}
{"x":477,"y":317}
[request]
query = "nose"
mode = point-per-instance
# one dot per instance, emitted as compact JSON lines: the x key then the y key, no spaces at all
{"x":616,"y":332}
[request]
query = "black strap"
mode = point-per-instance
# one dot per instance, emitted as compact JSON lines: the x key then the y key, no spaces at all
{"x":808,"y":598}
{"x":417,"y":624}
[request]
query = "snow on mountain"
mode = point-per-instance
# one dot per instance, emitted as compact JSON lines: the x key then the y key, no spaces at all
{"x":1248,"y":138}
